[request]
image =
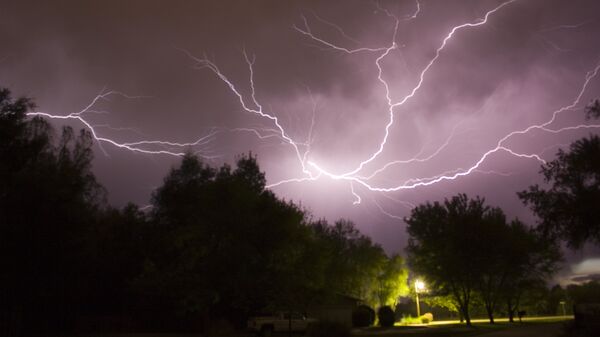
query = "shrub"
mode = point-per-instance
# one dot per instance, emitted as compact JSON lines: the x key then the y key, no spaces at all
{"x":409,"y":320}
{"x":328,"y":329}
{"x":386,"y":316}
{"x":363,"y":316}
{"x":427,"y":318}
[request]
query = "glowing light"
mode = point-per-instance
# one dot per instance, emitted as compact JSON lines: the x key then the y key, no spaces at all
{"x":419,"y":285}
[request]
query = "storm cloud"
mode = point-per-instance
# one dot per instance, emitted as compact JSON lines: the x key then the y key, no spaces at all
{"x":529,"y":60}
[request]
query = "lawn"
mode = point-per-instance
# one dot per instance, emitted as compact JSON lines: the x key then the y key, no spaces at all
{"x":435,"y":329}
{"x":455,"y":328}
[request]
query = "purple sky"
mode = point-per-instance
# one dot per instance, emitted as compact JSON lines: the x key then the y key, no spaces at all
{"x":320,"y":79}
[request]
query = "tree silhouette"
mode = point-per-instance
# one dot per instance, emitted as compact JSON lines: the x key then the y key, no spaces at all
{"x":529,"y":260}
{"x":226,"y":245}
{"x":568,"y":209}
{"x":355,"y":266}
{"x":593,"y":110}
{"x":443,"y":245}
{"x":47,"y":197}
{"x":216,"y":244}
{"x":466,"y":249}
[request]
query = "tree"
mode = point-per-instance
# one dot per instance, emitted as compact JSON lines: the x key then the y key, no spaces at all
{"x":554,"y":296}
{"x":444,"y":246}
{"x":530,"y":261}
{"x":588,"y":292}
{"x":48,"y":195}
{"x":450,"y":244}
{"x":118,"y":243}
{"x":357,"y":267}
{"x":392,"y":281}
{"x":442,"y":301}
{"x":593,"y":110}
{"x":568,"y":209}
{"x":226,"y":246}
{"x":494,"y":267}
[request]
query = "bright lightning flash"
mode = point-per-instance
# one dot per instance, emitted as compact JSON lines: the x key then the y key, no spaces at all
{"x":363,"y":173}
{"x":141,"y":146}
{"x":313,"y":171}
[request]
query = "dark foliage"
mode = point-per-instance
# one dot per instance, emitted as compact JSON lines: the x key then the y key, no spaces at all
{"x":363,"y":316}
{"x":568,"y":210}
{"x":386,"y":316}
{"x":216,"y":246}
{"x":449,"y":244}
{"x":593,"y":110}
{"x":224,"y":244}
{"x":588,"y":292}
{"x":48,"y":197}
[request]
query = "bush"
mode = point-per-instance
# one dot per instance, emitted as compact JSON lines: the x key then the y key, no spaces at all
{"x":427,"y":318}
{"x":363,"y":316}
{"x":328,"y":329}
{"x":386,"y":316}
{"x":409,"y":320}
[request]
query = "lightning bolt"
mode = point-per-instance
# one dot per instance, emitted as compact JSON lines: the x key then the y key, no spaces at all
{"x":140,"y":146}
{"x":382,"y":52}
{"x":353,"y":175}
{"x":358,"y":177}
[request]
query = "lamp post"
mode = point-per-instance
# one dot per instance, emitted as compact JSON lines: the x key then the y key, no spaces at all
{"x":562,"y":304}
{"x":419,"y":285}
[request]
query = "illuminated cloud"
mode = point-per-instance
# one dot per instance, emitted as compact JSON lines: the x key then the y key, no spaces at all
{"x":359,"y":112}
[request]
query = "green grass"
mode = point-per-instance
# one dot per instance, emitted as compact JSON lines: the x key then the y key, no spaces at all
{"x":455,"y":328}
{"x":436,"y":329}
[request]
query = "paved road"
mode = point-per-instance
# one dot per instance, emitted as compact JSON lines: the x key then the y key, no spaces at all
{"x":541,"y":330}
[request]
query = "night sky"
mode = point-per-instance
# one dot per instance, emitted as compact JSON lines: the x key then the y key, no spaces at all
{"x":458,"y":84}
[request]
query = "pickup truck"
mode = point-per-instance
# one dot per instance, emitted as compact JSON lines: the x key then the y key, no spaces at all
{"x":266,"y":325}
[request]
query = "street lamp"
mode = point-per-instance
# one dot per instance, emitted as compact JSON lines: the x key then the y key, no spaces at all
{"x":562,"y":304}
{"x":419,"y":286}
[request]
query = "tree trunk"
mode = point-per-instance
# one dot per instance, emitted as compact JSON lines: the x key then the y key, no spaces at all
{"x":465,"y":314}
{"x":511,"y":312}
{"x":490,"y":312}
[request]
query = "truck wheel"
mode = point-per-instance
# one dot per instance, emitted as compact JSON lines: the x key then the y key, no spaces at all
{"x":266,"y":331}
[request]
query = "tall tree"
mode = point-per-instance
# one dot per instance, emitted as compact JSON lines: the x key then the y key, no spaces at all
{"x":392,"y":282}
{"x":588,"y":292}
{"x":117,"y":242}
{"x":493,"y":265}
{"x":467,"y":249}
{"x":529,"y":260}
{"x":444,"y":245}
{"x":47,"y":197}
{"x":226,"y":244}
{"x":355,"y":266}
{"x":568,"y":209}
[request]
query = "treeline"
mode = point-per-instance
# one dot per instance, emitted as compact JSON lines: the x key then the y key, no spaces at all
{"x":471,"y":254}
{"x":215,"y":244}
{"x":535,"y":300}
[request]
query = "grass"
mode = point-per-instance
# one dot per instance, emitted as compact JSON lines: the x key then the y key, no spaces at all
{"x":455,"y":328}
{"x":434,"y":329}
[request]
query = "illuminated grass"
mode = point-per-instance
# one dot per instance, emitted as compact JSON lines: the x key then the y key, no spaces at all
{"x":455,"y":328}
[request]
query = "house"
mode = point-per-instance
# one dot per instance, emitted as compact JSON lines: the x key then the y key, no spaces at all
{"x":337,"y":309}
